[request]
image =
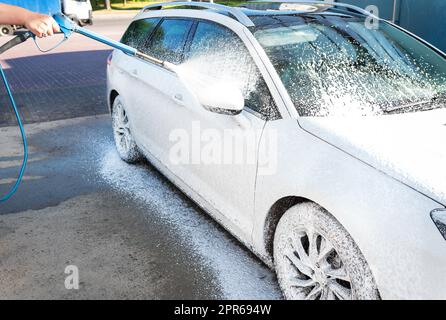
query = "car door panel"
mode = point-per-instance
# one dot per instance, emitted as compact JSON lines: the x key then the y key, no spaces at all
{"x":127,"y":69}
{"x":161,"y":108}
{"x":226,"y":181}
{"x":159,"y":94}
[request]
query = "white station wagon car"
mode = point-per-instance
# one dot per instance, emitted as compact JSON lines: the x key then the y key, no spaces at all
{"x":343,"y":187}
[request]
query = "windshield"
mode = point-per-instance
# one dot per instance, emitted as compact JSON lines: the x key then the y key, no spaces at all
{"x":335,"y":65}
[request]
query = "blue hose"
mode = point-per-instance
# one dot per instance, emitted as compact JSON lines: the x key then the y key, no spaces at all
{"x":67,"y":28}
{"x":25,"y":144}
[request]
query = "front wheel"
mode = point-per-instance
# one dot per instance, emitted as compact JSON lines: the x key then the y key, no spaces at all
{"x":316,"y":259}
{"x":125,"y":144}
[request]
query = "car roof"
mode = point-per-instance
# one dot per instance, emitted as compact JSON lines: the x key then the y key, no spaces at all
{"x":257,"y":16}
{"x":257,"y":13}
{"x":254,"y":12}
{"x":244,"y":12}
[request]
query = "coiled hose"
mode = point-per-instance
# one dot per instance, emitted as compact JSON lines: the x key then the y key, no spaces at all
{"x":15,"y":41}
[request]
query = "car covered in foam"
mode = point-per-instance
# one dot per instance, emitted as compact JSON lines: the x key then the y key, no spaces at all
{"x":343,"y":189}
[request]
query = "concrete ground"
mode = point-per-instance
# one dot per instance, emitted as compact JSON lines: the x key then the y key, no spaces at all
{"x":130,"y":232}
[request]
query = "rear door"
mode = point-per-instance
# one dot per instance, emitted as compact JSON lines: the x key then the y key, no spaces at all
{"x":160,"y":98}
{"x":125,"y":68}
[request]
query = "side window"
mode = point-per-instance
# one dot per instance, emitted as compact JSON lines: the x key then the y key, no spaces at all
{"x":138,"y":31}
{"x":168,"y":40}
{"x":219,"y":53}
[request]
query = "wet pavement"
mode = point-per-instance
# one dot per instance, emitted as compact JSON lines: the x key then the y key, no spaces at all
{"x":131,"y":233}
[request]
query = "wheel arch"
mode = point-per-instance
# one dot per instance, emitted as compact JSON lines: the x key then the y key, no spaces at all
{"x":111,"y":98}
{"x":278,"y":209}
{"x":273,"y":217}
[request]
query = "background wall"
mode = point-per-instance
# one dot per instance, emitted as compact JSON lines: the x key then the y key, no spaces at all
{"x":425,"y":18}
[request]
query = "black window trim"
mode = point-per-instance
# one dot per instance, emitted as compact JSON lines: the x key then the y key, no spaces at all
{"x":147,"y":36}
{"x":150,"y":35}
{"x":188,"y":36}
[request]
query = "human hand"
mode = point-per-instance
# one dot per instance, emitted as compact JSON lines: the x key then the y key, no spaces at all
{"x":41,"y":25}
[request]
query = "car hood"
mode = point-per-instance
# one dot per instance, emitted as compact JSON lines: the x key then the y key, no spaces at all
{"x":409,"y":147}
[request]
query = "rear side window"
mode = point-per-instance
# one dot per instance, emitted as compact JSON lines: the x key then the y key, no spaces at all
{"x":138,"y":31}
{"x":168,"y":40}
{"x":217,"y":52}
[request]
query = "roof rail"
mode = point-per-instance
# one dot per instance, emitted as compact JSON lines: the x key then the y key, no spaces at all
{"x":323,"y":3}
{"x":235,"y":12}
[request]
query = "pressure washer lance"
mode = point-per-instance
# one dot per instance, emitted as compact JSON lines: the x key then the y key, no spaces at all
{"x":67,"y":27}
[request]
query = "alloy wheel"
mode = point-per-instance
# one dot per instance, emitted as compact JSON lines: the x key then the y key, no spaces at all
{"x":121,"y":128}
{"x":316,"y":270}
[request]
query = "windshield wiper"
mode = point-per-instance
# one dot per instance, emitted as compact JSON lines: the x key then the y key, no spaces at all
{"x":439,"y":98}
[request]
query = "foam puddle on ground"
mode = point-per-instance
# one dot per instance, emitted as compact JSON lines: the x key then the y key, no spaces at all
{"x":239,"y":275}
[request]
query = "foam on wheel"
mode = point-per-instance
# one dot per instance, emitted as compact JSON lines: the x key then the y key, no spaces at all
{"x":316,"y":259}
{"x":125,"y":144}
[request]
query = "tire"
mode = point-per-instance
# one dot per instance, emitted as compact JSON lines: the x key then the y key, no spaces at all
{"x":125,"y":144}
{"x":316,"y":259}
{"x":75,"y":19}
{"x":6,"y":30}
{"x":90,"y":18}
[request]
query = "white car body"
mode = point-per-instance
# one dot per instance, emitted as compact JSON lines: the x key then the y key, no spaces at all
{"x":382,"y":191}
{"x":82,"y":10}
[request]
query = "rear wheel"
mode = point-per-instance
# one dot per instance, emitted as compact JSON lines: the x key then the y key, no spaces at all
{"x":316,"y":258}
{"x":125,"y":144}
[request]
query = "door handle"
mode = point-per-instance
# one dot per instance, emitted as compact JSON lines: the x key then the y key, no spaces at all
{"x":242,"y":121}
{"x":178,"y":97}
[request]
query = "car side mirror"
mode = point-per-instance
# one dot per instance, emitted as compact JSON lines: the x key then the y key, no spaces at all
{"x":222,"y":98}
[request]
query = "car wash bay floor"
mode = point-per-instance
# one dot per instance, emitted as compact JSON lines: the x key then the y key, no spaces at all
{"x":130,"y":232}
